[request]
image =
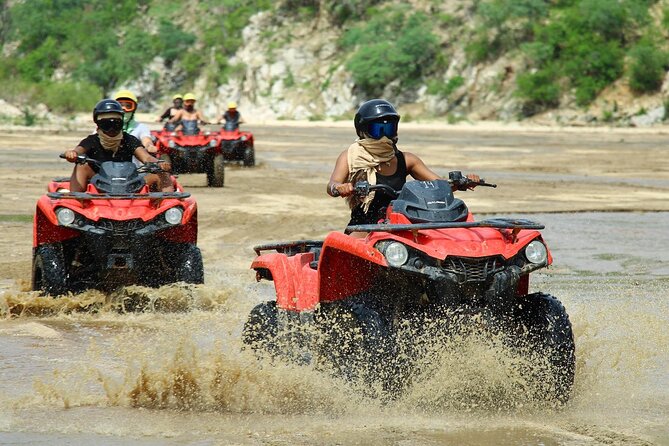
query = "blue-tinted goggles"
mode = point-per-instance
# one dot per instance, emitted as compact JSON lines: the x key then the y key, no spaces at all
{"x":378,"y":129}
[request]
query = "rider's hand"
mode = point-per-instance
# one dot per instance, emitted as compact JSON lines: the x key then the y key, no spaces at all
{"x":71,"y":155}
{"x":167,"y":167}
{"x":473,"y":177}
{"x":344,"y":189}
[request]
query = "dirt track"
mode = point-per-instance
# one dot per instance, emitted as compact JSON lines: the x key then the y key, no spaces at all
{"x":537,"y":170}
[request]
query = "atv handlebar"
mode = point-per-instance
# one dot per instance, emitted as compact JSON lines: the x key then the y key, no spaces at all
{"x":363,"y":188}
{"x":461,"y":182}
{"x":82,"y":159}
{"x":145,"y":168}
{"x":455,"y":178}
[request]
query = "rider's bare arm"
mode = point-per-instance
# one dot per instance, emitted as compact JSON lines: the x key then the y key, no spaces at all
{"x":338,"y":184}
{"x":417,"y":168}
{"x":176,"y":117}
{"x":419,"y":171}
{"x":144,"y":156}
{"x":201,"y":118}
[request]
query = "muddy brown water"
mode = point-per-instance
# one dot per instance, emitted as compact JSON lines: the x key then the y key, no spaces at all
{"x":79,"y":370}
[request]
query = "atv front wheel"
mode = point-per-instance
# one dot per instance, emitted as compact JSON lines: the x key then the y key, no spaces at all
{"x":190,"y":268}
{"x":49,"y":271}
{"x":356,"y":345}
{"x":261,"y":328}
{"x":249,"y":157}
{"x":545,"y":331}
{"x":216,"y":171}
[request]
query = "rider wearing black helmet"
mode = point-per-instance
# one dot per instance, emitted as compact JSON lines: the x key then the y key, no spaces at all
{"x":374,"y":157}
{"x":109,"y":143}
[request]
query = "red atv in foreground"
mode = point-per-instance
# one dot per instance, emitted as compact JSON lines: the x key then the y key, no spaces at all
{"x":193,"y":151}
{"x":237,"y":145}
{"x":358,"y":305}
{"x":116,"y":233}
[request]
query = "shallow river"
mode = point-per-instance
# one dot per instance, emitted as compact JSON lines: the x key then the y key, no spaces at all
{"x":81,"y":370}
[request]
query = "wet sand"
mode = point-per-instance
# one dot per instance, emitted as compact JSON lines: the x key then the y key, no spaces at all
{"x":78,"y":371}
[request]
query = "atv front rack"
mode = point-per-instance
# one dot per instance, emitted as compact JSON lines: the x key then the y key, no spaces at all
{"x":87,"y":196}
{"x":294,"y":247}
{"x":497,"y":223}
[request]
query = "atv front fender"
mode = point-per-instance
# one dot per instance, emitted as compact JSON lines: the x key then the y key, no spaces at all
{"x":348,"y":266}
{"x":295,"y":281}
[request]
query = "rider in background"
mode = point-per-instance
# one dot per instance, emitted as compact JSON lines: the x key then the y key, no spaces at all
{"x":374,"y":157}
{"x":177,"y":104}
{"x":128,"y":101}
{"x":231,"y":117}
{"x":111,"y":143}
{"x":188,"y":117}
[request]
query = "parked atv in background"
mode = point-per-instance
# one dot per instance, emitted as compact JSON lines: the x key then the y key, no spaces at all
{"x":193,"y":151}
{"x":116,"y":233}
{"x":237,"y":145}
{"x":345,"y":300}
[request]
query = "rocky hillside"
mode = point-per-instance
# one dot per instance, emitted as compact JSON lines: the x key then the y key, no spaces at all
{"x":568,"y":61}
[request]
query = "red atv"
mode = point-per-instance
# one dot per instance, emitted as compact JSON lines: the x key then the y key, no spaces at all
{"x":193,"y":151}
{"x":349,"y":302}
{"x":116,"y":233}
{"x":237,"y":145}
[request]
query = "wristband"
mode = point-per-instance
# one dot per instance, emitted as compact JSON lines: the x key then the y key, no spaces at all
{"x":333,"y":191}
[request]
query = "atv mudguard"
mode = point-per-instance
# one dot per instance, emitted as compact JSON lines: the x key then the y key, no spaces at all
{"x":300,"y":287}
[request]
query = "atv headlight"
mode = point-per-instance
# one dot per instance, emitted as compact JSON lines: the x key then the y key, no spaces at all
{"x":65,"y":216}
{"x":243,"y":138}
{"x":396,"y":254}
{"x":173,"y":216}
{"x":213,"y":143}
{"x":171,"y":144}
{"x":536,"y":252}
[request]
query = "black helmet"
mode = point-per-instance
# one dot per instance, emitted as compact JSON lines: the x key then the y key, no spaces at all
{"x":371,"y":111}
{"x":106,"y":106}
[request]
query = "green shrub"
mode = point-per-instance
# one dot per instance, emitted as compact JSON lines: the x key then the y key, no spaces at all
{"x":444,"y":89}
{"x":540,"y":90}
{"x":647,"y":67}
{"x":391,"y":47}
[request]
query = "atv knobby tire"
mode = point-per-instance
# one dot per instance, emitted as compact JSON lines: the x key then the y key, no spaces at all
{"x":356,"y":345}
{"x":249,"y":157}
{"x":216,"y":171}
{"x":261,"y":328}
{"x":189,"y":267}
{"x":49,"y":273}
{"x":544,"y":327}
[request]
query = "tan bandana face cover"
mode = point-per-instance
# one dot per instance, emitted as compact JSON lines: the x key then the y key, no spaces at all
{"x":364,"y":156}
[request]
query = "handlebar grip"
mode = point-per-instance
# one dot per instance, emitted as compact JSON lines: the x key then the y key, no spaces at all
{"x":62,"y":155}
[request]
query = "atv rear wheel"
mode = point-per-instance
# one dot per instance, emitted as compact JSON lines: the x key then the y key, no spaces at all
{"x":544,"y":329}
{"x":49,"y":271}
{"x":261,"y":328}
{"x":216,"y":171}
{"x":190,"y":268}
{"x":249,"y":157}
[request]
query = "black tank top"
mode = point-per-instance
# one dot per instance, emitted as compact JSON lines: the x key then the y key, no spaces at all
{"x":378,"y":206}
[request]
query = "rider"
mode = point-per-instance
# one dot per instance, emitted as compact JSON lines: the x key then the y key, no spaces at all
{"x":188,"y":117}
{"x":232,"y":116}
{"x":128,"y":101}
{"x":374,"y":157}
{"x":177,"y":104}
{"x":110,"y":143}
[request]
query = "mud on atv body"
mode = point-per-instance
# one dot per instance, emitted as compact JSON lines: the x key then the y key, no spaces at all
{"x":116,"y":233}
{"x":344,"y":300}
{"x":193,"y":152}
{"x":237,"y":145}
